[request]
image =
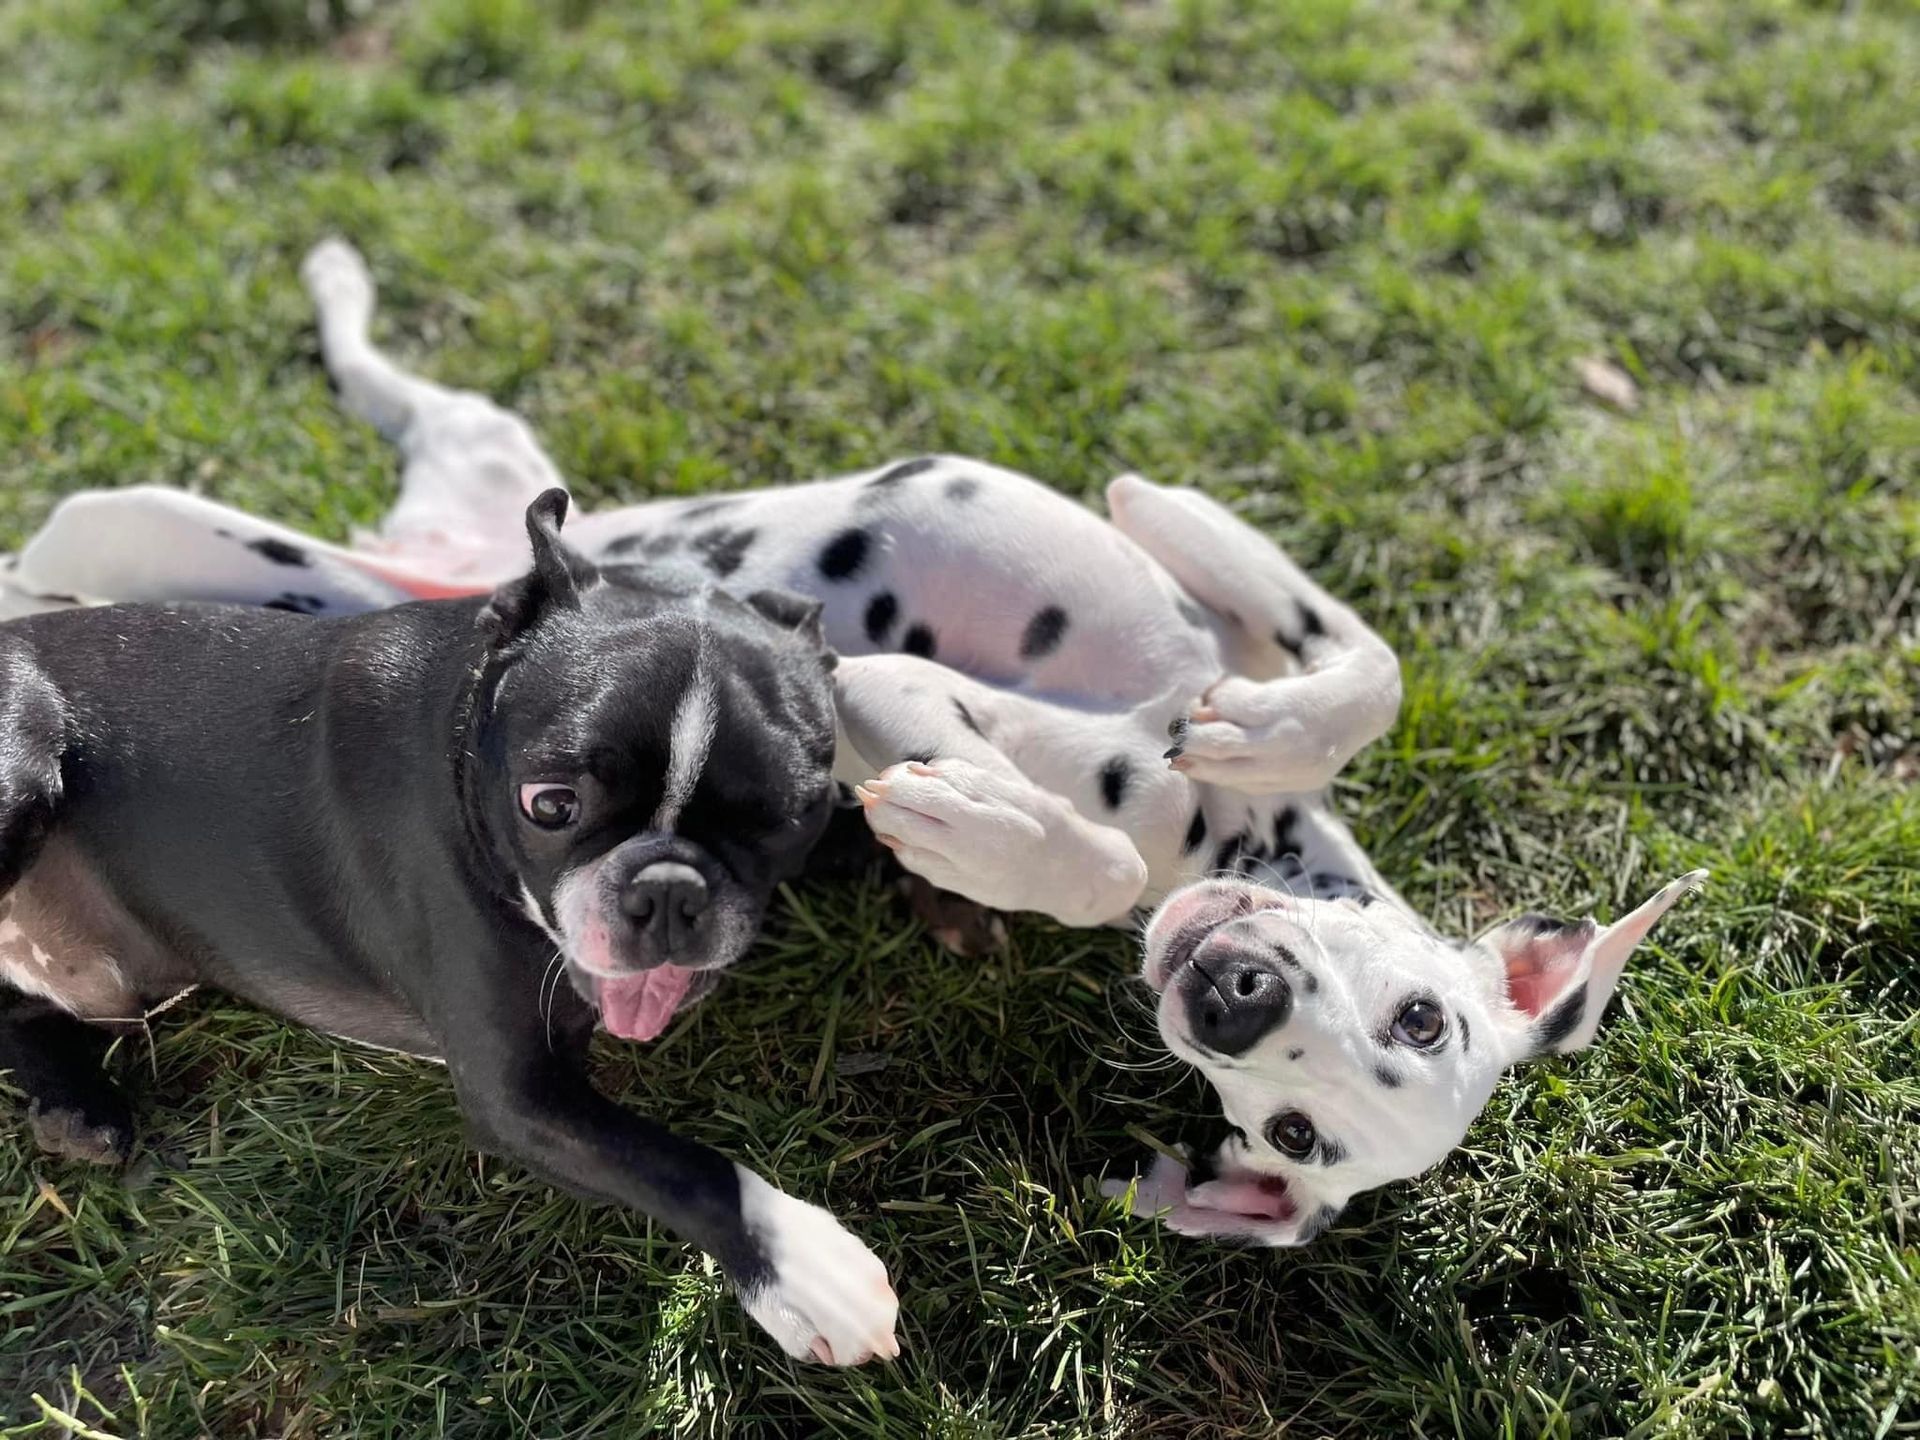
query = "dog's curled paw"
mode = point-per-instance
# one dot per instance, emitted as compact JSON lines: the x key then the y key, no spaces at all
{"x":1249,"y":736}
{"x":1001,"y":841}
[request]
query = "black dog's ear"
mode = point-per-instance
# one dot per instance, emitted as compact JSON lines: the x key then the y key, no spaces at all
{"x":557,"y":579}
{"x":792,"y":612}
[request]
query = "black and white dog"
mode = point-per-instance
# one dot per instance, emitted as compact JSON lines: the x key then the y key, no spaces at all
{"x":386,"y":826}
{"x":1012,"y":669}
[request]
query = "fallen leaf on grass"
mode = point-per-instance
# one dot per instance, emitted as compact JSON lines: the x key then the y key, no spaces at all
{"x":1608,"y":383}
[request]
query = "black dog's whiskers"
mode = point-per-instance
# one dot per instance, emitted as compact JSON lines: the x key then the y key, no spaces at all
{"x":549,"y":992}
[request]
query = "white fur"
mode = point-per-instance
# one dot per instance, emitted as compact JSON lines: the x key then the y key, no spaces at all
{"x":1178,"y":614}
{"x":829,"y":1298}
{"x":1327,"y":1059}
{"x":689,"y":738}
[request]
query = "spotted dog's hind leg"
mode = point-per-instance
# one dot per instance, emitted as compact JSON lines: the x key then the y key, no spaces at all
{"x":151,"y":543}
{"x":955,"y":806}
{"x":47,"y":1054}
{"x":1263,"y":732}
{"x":469,"y":468}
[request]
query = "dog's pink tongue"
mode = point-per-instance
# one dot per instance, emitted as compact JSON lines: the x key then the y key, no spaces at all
{"x":640,"y":1008}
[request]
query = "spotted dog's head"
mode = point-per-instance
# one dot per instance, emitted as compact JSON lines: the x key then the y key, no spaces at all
{"x":654,"y":757}
{"x":1351,"y":1046}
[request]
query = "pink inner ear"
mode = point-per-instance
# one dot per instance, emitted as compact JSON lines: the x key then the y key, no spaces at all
{"x":1540,"y":967}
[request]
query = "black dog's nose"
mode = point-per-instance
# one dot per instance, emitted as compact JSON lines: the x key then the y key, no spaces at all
{"x":1233,"y":998}
{"x":665,"y":900}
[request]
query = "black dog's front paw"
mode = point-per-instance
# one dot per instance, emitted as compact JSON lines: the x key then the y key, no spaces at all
{"x":99,"y":1134}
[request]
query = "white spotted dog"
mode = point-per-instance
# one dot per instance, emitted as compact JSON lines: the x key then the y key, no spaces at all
{"x":1012,"y":667}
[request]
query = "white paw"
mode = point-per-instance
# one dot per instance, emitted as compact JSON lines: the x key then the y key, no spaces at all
{"x":335,"y":275}
{"x":1250,"y":736}
{"x":828,"y":1298}
{"x":1002,"y":841}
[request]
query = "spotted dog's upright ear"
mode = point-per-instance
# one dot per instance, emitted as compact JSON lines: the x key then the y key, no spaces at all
{"x":557,"y":580}
{"x":1559,"y":974}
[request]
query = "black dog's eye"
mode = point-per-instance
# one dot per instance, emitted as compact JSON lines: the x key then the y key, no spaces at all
{"x":1291,"y":1134}
{"x":551,"y":807}
{"x":1420,"y":1025}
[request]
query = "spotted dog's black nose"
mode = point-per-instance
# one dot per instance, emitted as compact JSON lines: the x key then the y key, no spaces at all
{"x":1233,"y":997}
{"x":665,"y":900}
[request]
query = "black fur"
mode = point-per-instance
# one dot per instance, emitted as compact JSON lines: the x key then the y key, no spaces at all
{"x":919,"y":640}
{"x":1114,"y":776}
{"x":723,"y":549}
{"x":1044,"y":632}
{"x":320,"y":816}
{"x":280,"y":552}
{"x":845,"y":556}
{"x":906,"y":470}
{"x":882,"y":611}
{"x":1561,"y":1021}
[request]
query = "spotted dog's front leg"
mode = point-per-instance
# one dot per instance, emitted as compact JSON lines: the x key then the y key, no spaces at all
{"x":1263,"y":732}
{"x":955,"y":807}
{"x":1003,"y":841}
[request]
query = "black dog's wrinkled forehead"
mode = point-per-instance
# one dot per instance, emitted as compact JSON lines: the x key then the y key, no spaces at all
{"x":600,"y":689}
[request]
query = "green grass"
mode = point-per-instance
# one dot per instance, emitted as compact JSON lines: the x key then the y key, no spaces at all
{"x":1334,"y":260}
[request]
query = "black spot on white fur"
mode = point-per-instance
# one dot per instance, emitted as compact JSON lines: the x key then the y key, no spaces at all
{"x":1196,"y":833}
{"x":966,"y":718}
{"x":700,"y":509}
{"x":1227,"y":857}
{"x":1286,"y":822}
{"x":1562,"y":1020}
{"x":723,"y":549}
{"x":1332,"y":1152}
{"x":882,"y":611}
{"x":962,"y":488}
{"x":652,"y":546}
{"x":1295,"y":1053}
{"x":1386,"y":1077}
{"x":279,"y":551}
{"x":1044,"y":633}
{"x":1114,"y":776}
{"x":920,"y":640}
{"x":1466,"y":1035}
{"x":906,"y":470}
{"x":845,"y":555}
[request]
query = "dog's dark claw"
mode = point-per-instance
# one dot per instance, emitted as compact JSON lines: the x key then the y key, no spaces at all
{"x":1175,"y":753}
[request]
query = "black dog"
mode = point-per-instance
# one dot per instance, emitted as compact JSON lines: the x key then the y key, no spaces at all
{"x":385,"y":826}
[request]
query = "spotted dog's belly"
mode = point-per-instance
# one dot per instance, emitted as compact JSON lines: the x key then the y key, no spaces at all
{"x":986,"y":571}
{"x":64,"y":936}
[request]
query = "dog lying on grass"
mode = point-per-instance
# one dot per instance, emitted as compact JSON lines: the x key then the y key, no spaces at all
{"x":1038,"y":711}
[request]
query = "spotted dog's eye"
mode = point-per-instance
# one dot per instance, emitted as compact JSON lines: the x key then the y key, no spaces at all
{"x":1291,"y":1134}
{"x":1420,"y":1025}
{"x":551,"y":807}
